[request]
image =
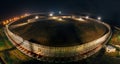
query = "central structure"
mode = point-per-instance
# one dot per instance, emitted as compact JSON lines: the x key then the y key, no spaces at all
{"x":58,"y":38}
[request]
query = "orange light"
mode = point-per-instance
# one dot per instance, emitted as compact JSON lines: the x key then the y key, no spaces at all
{"x":10,"y":20}
{"x":7,"y":21}
{"x":22,"y":16}
{"x":4,"y":22}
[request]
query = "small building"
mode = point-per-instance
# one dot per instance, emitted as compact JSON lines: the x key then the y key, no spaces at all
{"x":110,"y":49}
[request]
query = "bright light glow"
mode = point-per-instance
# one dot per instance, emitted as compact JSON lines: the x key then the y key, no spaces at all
{"x":60,"y":12}
{"x":10,"y":20}
{"x":51,"y":14}
{"x":60,"y":19}
{"x":66,"y":16}
{"x":80,"y":19}
{"x":36,"y":17}
{"x":26,"y":14}
{"x":21,"y":16}
{"x":4,"y":22}
{"x":99,"y":18}
{"x":7,"y":21}
{"x":28,"y":20}
{"x":54,"y":17}
{"x":87,"y":17}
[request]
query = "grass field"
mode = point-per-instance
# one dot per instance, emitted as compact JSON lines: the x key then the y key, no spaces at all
{"x":116,"y":38}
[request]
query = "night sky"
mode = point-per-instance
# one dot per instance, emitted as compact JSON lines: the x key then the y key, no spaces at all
{"x":107,"y":9}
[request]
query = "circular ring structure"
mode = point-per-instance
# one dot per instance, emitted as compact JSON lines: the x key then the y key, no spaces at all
{"x":57,"y":53}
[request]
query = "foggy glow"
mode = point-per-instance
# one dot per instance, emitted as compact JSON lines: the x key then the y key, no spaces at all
{"x":80,"y":19}
{"x":87,"y":17}
{"x":99,"y":18}
{"x":51,"y":14}
{"x":60,"y":19}
{"x":60,"y":12}
{"x":36,"y":17}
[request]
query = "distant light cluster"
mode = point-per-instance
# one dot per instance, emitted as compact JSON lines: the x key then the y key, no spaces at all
{"x":52,"y":15}
{"x":5,"y":22}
